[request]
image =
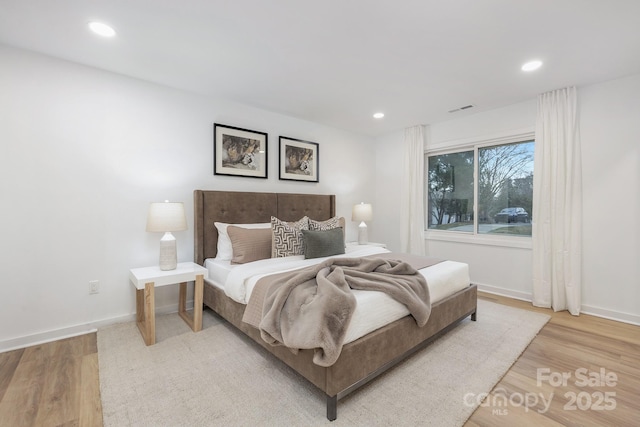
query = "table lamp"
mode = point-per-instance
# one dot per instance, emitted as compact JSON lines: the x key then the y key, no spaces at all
{"x":362,"y":212}
{"x":166,"y":217}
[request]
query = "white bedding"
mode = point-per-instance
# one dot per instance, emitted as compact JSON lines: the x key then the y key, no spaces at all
{"x":373,"y":309}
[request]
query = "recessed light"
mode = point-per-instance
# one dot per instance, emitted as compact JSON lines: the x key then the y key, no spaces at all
{"x":532,"y":65}
{"x":102,"y":29}
{"x":378,"y":115}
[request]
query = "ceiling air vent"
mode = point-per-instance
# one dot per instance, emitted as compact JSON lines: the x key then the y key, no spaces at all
{"x":466,"y":107}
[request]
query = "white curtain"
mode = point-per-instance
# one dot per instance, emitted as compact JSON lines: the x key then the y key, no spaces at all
{"x":412,"y":192}
{"x":557,"y":203}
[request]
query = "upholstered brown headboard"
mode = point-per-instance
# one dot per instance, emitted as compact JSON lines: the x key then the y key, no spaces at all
{"x":236,"y":207}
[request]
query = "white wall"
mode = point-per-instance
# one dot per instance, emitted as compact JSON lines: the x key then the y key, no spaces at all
{"x":610,"y":132}
{"x":386,"y":214}
{"x":84,"y":151}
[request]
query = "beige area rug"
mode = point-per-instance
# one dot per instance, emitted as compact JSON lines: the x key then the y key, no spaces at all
{"x":218,"y":377}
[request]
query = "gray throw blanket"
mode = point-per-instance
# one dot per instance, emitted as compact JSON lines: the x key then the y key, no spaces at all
{"x":313,"y":306}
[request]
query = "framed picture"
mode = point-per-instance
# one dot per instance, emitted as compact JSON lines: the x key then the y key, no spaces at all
{"x":239,"y":152}
{"x":298,"y":160}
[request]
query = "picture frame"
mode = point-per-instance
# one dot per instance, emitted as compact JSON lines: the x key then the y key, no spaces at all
{"x":299,"y":160}
{"x":240,"y":152}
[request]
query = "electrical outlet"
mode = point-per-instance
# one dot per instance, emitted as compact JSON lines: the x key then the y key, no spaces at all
{"x":94,"y":286}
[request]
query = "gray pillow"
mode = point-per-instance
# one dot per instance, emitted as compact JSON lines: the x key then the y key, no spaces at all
{"x":329,"y":224}
{"x":323,"y":243}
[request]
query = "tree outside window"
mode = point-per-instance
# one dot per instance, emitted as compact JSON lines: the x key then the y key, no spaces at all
{"x":450,"y":187}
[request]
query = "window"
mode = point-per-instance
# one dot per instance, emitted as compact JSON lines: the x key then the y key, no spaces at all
{"x":497,"y":200}
{"x":450,"y":184}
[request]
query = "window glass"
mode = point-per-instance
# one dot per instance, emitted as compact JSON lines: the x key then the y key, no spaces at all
{"x":450,"y":192}
{"x":505,"y":189}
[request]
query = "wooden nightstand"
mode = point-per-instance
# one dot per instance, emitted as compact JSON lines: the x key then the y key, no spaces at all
{"x":146,"y":279}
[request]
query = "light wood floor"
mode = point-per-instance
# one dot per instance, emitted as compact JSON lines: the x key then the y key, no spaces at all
{"x":56,"y":384}
{"x":567,"y":344}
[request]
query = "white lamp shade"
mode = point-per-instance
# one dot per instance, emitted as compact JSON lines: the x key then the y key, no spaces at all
{"x":166,"y":216}
{"x":362,"y":212}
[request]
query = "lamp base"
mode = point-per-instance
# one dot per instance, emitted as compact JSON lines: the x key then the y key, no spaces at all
{"x":362,"y":234}
{"x":168,"y":253}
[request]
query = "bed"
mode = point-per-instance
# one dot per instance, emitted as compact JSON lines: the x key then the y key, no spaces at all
{"x":360,"y":360}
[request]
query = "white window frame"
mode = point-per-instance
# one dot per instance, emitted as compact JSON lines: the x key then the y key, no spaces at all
{"x":474,"y":144}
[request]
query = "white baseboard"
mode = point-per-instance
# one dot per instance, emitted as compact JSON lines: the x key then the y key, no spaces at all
{"x":618,"y":316}
{"x":77,"y":330}
{"x":524,"y":296}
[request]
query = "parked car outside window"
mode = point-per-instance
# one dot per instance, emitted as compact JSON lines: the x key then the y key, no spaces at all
{"x":509,"y":215}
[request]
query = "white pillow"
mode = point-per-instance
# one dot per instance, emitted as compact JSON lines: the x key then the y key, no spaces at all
{"x":225,"y":250}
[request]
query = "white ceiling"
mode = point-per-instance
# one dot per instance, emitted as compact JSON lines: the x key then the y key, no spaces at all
{"x":337,"y":62}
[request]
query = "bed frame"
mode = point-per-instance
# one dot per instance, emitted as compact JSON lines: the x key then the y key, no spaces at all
{"x":361,"y":360}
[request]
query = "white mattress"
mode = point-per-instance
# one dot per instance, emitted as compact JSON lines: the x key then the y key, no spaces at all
{"x":373,"y":309}
{"x":218,"y":271}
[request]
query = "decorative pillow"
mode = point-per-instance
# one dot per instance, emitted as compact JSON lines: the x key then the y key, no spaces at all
{"x":323,"y":243}
{"x":249,"y":244}
{"x":225,"y":250}
{"x":287,"y":237}
{"x":330,"y":224}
